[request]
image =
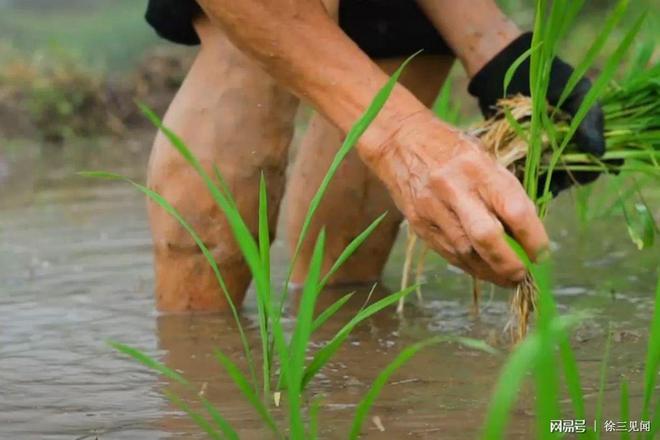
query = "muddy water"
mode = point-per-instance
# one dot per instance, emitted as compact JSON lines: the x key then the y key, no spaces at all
{"x":75,"y":272}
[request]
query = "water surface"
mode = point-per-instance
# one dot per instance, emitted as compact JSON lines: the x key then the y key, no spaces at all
{"x":75,"y":272}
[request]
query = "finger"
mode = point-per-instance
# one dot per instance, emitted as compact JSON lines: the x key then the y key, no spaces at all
{"x":478,"y":268}
{"x":432,"y":233}
{"x":486,"y":235}
{"x":439,"y":227}
{"x":506,"y":198}
{"x":438,"y":243}
{"x":465,"y":258}
{"x":449,"y":238}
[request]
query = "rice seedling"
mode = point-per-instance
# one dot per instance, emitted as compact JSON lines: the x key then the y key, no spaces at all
{"x":632,"y":130}
{"x":289,"y":354}
{"x":542,"y":138}
{"x":537,"y":355}
{"x":546,"y":137}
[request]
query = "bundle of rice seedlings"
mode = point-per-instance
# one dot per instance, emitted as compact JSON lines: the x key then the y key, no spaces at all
{"x":632,"y":134}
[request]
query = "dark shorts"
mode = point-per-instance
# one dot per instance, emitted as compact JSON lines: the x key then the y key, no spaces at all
{"x":382,"y":28}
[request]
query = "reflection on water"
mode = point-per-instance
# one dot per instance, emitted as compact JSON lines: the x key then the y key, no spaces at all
{"x":75,"y":266}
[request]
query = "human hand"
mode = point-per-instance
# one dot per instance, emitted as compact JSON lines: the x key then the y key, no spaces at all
{"x":457,"y":198}
{"x":487,"y":86}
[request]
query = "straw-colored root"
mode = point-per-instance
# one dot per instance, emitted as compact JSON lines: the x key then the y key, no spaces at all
{"x":476,"y":295}
{"x":498,"y":137}
{"x":419,"y":272}
{"x":407,"y":263}
{"x":523,"y":304}
{"x":411,"y":244}
{"x":523,"y":300}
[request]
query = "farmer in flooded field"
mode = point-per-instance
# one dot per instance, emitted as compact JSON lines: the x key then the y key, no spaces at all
{"x":236,"y":107}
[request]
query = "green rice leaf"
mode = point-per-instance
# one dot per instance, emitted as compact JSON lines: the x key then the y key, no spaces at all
{"x":640,"y":224}
{"x":363,"y":408}
{"x":508,"y":76}
{"x":323,"y":355}
{"x":652,"y":356}
{"x":546,"y":374}
{"x":602,"y":381}
{"x":319,"y":321}
{"x":655,"y":422}
{"x":622,"y":195}
{"x":350,"y":140}
{"x":583,"y":194}
{"x":223,"y":186}
{"x":581,"y":69}
{"x":172,"y":211}
{"x":148,"y":361}
{"x":250,"y":394}
{"x":641,"y":59}
{"x":330,"y":311}
{"x":625,"y":408}
{"x":517,"y":367}
{"x":442,"y":107}
{"x":351,"y":248}
{"x":102,"y":175}
{"x":508,"y":386}
{"x":264,"y":232}
{"x":224,"y":426}
{"x":517,"y":127}
{"x":367,"y":401}
{"x":569,"y":10}
{"x":649,"y":226}
{"x":597,"y":89}
{"x":195,"y":416}
{"x":263,"y":297}
{"x":241,"y":232}
{"x":314,"y":410}
{"x":572,"y":378}
{"x":301,"y":336}
{"x":518,"y":250}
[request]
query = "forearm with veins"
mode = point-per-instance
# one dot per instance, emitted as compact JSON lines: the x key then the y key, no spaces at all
{"x":298,"y":43}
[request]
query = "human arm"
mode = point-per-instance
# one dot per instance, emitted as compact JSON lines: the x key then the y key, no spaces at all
{"x":439,"y":177}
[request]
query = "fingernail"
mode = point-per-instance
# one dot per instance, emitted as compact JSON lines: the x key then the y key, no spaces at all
{"x":543,"y":255}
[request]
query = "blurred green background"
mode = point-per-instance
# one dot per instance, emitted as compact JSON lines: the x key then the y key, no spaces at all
{"x":109,"y":34}
{"x":62,"y":60}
